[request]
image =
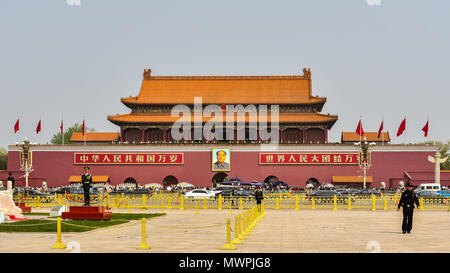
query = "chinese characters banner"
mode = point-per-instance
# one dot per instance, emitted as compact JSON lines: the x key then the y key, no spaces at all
{"x":128,"y":158}
{"x":309,"y":158}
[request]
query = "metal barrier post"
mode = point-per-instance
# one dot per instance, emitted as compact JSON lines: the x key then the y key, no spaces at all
{"x":219,"y":202}
{"x":236,"y":239}
{"x":241,"y":236}
{"x":296,"y":202}
{"x":228,"y":245}
{"x":182,"y":202}
{"x":244,"y":225}
{"x":204,"y":203}
{"x":385,"y":204}
{"x":144,"y":244}
{"x":373,"y":203}
{"x":313,"y":203}
{"x":349,"y":203}
{"x":196,"y":207}
{"x":144,"y":202}
{"x":169,"y":203}
{"x":421,"y":203}
{"x":230,"y":209}
{"x":241,"y":205}
{"x":58,"y":244}
{"x":335,"y":202}
{"x":277,"y":204}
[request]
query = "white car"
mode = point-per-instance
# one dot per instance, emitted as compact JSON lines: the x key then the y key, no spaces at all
{"x":199,"y":194}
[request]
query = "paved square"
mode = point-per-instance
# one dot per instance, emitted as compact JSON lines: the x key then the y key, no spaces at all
{"x":313,"y":231}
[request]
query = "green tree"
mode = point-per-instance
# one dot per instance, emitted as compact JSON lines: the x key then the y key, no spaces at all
{"x":77,"y":127}
{"x":3,"y":158}
{"x":443,"y":150}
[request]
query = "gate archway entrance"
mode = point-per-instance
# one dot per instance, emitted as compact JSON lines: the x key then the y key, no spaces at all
{"x":130,"y":182}
{"x":170,"y":180}
{"x":218,"y":178}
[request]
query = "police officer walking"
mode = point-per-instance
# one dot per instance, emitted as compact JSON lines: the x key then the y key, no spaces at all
{"x":259,"y":196}
{"x":86,"y":181}
{"x":407,"y":201}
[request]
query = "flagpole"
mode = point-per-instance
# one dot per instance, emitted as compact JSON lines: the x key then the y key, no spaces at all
{"x":404,"y":136}
{"x":62,"y":129}
{"x":382,"y":135}
{"x":84,"y":130}
{"x":360,"y":122}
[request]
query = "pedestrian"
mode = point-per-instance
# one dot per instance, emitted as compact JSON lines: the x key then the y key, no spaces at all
{"x":407,"y":201}
{"x":86,"y":182}
{"x":259,"y":196}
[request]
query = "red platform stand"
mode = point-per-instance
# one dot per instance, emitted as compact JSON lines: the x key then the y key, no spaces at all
{"x":87,"y":213}
{"x":24,"y":208}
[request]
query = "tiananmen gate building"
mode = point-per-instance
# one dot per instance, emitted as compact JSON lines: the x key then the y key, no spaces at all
{"x":146,"y":151}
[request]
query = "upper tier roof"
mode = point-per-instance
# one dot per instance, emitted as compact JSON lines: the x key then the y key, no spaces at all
{"x":225,"y":90}
{"x":94,"y":136}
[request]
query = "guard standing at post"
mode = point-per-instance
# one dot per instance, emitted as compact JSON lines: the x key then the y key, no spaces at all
{"x":407,"y":201}
{"x":10,"y":178}
{"x":259,"y":196}
{"x":86,"y":182}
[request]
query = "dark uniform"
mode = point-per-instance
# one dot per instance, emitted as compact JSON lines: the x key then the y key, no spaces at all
{"x":407,"y":201}
{"x":10,"y":178}
{"x":259,"y":197}
{"x":86,"y":181}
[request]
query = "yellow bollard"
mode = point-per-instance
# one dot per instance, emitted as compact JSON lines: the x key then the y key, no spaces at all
{"x":313,"y":203}
{"x":373,"y":203}
{"x":230,"y":208}
{"x":162,"y":205}
{"x":334,"y":203}
{"x":219,"y":202}
{"x":385,"y":204}
{"x":128,"y":206}
{"x":169,"y":203}
{"x":196,"y":207}
{"x":144,"y":202}
{"x":236,"y":239}
{"x":241,"y":224}
{"x":296,"y":202}
{"x":277,"y":203}
{"x":228,"y":245}
{"x":245,"y":230}
{"x":349,"y":203}
{"x":241,"y":205}
{"x":421,"y":203}
{"x":144,"y":244}
{"x":182,"y":202}
{"x":58,"y":244}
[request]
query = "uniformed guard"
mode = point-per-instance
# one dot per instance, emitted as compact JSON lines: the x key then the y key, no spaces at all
{"x":259,"y":196}
{"x":407,"y":201}
{"x":86,"y":181}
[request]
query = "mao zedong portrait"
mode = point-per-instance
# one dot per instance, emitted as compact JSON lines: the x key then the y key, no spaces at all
{"x":220,"y":163}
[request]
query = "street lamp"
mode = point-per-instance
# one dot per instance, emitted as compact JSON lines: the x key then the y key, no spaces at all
{"x":26,"y":158}
{"x":364,"y":159}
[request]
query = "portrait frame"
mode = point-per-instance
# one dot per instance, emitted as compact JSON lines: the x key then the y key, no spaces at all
{"x":214,"y":167}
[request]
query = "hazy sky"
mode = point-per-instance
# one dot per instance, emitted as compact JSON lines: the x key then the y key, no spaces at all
{"x":79,"y":60}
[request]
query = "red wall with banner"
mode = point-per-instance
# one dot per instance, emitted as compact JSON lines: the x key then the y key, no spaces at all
{"x":193,"y":164}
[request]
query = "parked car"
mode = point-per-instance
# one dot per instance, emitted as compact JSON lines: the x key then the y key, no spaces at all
{"x":428,"y":186}
{"x":445,"y":193}
{"x":367,"y":192}
{"x":31,"y":192}
{"x":327,"y":196}
{"x":218,"y":190}
{"x":427,"y":194}
{"x":199,"y":194}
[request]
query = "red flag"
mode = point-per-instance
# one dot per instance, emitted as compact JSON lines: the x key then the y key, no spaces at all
{"x":38,"y":128}
{"x":381,"y":129}
{"x":82,"y":128}
{"x":16,"y":126}
{"x":425,"y":129}
{"x":402,"y":127}
{"x":359,"y":129}
{"x":61,"y":127}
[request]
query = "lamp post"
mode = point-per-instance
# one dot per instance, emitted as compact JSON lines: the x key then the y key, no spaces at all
{"x":364,"y":160}
{"x":26,"y":162}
